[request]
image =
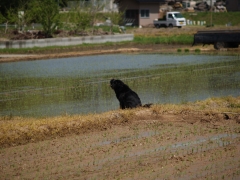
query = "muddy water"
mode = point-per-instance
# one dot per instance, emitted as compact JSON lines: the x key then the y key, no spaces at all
{"x":81,"y":84}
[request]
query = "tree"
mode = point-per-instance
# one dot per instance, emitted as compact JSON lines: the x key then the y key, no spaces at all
{"x":85,"y":13}
{"x":5,"y":5}
{"x":45,"y":12}
{"x":16,"y":15}
{"x":2,"y":18}
{"x":116,"y":18}
{"x":94,"y":7}
{"x":79,"y":17}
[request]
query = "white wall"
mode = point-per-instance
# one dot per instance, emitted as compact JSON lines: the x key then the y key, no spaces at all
{"x":65,"y":41}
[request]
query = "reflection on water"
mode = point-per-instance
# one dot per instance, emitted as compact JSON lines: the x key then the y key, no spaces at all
{"x":81,"y":84}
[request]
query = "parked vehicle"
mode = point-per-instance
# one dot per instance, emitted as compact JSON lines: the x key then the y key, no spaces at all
{"x":171,"y":19}
{"x":220,"y":38}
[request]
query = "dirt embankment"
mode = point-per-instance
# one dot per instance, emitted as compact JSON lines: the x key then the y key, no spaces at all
{"x":195,"y":141}
{"x":126,"y":48}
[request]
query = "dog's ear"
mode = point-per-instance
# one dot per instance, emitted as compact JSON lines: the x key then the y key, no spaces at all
{"x":119,"y":83}
{"x":112,"y":81}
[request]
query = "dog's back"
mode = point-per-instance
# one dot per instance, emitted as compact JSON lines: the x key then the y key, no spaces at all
{"x":127,"y":97}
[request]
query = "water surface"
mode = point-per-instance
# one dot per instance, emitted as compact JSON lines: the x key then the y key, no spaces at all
{"x":80,"y":85}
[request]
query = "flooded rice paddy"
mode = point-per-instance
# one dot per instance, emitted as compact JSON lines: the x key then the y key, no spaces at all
{"x":80,"y":85}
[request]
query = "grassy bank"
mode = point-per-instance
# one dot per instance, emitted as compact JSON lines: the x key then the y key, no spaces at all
{"x":170,"y":39}
{"x":19,"y":130}
{"x":217,"y":18}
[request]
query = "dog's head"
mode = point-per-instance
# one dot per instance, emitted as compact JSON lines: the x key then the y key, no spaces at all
{"x":116,"y":84}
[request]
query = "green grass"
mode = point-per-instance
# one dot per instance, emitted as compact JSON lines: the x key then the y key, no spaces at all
{"x":217,"y":18}
{"x":197,"y":50}
{"x":170,"y":39}
{"x":179,"y":50}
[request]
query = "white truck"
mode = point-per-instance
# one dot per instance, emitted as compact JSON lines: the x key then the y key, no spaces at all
{"x":171,"y":19}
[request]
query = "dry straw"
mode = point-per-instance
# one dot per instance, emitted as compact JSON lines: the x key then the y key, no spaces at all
{"x":20,"y":130}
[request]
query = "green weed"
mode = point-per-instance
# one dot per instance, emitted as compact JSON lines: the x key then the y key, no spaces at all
{"x":197,"y":50}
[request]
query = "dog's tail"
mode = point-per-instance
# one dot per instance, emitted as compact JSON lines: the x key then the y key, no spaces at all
{"x":147,"y":105}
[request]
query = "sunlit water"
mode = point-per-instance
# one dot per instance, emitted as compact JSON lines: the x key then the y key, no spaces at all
{"x":80,"y":85}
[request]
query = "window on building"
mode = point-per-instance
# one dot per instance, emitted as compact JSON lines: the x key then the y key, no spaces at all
{"x":144,"y":13}
{"x":131,"y":13}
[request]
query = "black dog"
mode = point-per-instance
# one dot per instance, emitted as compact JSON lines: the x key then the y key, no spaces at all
{"x":127,"y":97}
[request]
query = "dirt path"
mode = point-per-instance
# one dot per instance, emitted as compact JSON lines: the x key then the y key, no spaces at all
{"x":189,"y":145}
